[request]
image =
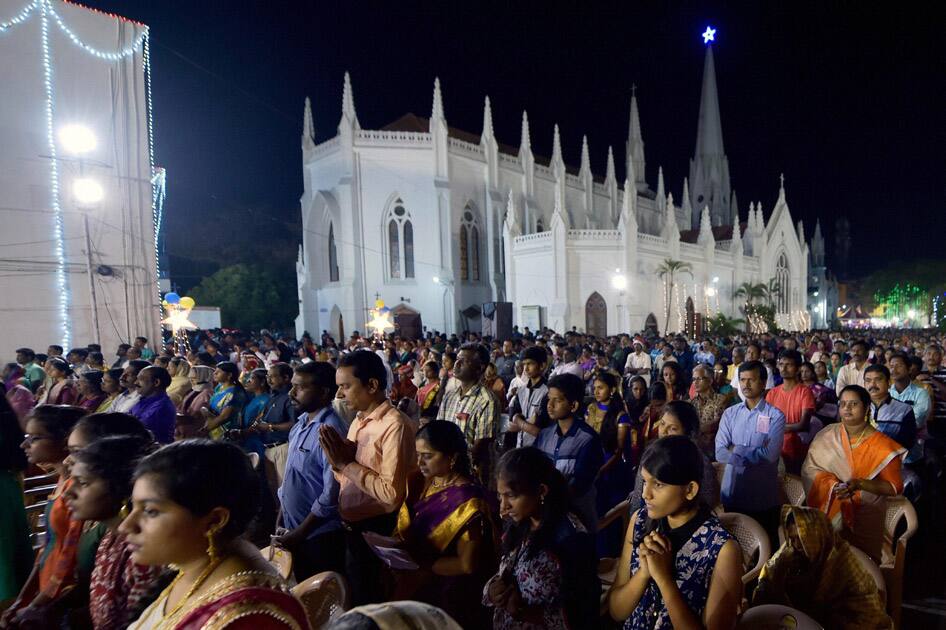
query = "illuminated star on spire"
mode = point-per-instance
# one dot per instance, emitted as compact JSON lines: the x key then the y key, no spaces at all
{"x":709,"y":35}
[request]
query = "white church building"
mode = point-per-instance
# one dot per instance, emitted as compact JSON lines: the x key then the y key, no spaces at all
{"x":438,"y":221}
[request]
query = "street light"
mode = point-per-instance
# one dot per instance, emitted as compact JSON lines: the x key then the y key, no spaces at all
{"x":710,"y":291}
{"x":77,"y":139}
{"x":87,"y":191}
{"x":911,"y":313}
{"x":619,"y":282}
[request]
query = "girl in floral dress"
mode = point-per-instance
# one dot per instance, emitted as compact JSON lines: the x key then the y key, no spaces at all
{"x":679,"y":567}
{"x":548,"y":573}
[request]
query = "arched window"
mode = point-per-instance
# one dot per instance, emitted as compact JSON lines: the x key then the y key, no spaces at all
{"x":332,"y":255}
{"x":783,"y":277}
{"x":475,"y":246}
{"x":464,"y":269}
{"x":469,"y":246}
{"x":538,"y":225}
{"x":400,"y":231}
{"x":394,"y":252}
{"x":408,"y":250}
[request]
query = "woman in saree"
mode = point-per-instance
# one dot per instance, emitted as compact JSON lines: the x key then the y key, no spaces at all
{"x":649,"y":421}
{"x":62,"y":389}
{"x":427,"y":394}
{"x":445,"y":524}
{"x":186,"y":514}
{"x":850,"y":469}
{"x":226,"y":402}
{"x":180,"y":384}
{"x":201,"y":380}
{"x":111,"y":387}
{"x":816,"y":572}
{"x":45,"y":444}
{"x":91,"y":395}
{"x":16,"y":555}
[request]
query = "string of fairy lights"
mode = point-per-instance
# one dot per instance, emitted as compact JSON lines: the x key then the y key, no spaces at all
{"x":46,"y":10}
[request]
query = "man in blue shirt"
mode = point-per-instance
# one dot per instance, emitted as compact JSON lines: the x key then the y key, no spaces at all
{"x":749,"y":442}
{"x":308,"y":496}
{"x":573,"y":446}
{"x":279,"y":416}
{"x":684,"y":356}
{"x":154,"y":407}
{"x":902,"y":388}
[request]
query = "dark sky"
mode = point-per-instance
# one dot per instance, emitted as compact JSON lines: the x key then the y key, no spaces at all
{"x":847,"y":100}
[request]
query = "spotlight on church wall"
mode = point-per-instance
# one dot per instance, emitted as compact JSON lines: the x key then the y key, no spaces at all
{"x":619,"y":282}
{"x":710,"y":291}
{"x":77,"y":139}
{"x":87,"y":191}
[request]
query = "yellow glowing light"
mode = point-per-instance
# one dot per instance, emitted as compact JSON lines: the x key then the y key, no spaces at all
{"x":177,"y":319}
{"x":380,"y":319}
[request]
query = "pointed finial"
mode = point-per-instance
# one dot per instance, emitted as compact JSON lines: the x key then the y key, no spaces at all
{"x":436,"y":110}
{"x":525,"y":139}
{"x":348,"y":103}
{"x":609,"y":172}
{"x":585,"y":157}
{"x":686,"y":196}
{"x":633,"y":90}
{"x":781,"y":187}
{"x":308,"y":132}
{"x":706,"y":228}
{"x":557,"y":150}
{"x":487,"y":120}
{"x":660,"y":182}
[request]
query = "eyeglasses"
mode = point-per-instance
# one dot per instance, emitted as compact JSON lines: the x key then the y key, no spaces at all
{"x":29,"y":439}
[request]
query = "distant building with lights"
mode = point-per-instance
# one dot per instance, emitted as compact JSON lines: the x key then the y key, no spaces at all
{"x":388,"y":211}
{"x":80,"y":199}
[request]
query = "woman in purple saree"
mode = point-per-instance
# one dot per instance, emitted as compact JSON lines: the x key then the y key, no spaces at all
{"x":445,"y":523}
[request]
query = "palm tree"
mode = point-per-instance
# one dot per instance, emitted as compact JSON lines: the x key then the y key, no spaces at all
{"x":772,"y":290}
{"x":751,"y":292}
{"x":722,"y":324}
{"x":667,"y":271}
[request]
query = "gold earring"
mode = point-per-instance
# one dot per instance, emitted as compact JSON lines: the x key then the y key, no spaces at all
{"x":123,"y":511}
{"x":212,"y":544}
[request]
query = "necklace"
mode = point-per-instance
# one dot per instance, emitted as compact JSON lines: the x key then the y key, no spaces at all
{"x":444,"y":483}
{"x":197,"y":584}
{"x":861,"y":436}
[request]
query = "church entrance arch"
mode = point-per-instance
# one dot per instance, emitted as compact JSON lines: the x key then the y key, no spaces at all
{"x":407,"y":322}
{"x":596,"y":315}
{"x":650,"y":325}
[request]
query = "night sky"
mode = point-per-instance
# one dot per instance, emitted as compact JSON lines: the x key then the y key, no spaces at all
{"x":847,"y":100}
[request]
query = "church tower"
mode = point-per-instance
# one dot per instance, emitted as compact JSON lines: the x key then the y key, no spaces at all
{"x":709,"y":168}
{"x":634,"y":152}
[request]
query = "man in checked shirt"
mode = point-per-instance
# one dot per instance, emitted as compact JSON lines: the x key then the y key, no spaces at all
{"x":472,"y":406}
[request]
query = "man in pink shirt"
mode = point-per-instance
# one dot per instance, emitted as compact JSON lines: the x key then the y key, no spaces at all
{"x":372,"y":466}
{"x":796,"y":401}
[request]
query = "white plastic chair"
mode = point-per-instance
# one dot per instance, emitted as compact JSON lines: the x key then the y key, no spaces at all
{"x":280,"y":558}
{"x":794,"y":489}
{"x":752,"y":539}
{"x":775,"y":617}
{"x":894,"y":553}
{"x":324,"y":597}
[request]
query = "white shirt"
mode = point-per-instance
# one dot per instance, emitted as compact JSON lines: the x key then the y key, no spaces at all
{"x":640,"y":361}
{"x":569,"y":368}
{"x":124,"y":402}
{"x":850,"y":375}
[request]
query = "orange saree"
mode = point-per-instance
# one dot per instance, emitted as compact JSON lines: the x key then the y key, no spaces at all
{"x":831,"y":460}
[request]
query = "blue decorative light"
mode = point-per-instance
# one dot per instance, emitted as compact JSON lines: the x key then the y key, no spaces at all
{"x":709,"y":35}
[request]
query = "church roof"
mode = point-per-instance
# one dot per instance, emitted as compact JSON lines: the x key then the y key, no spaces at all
{"x":415,"y":123}
{"x":720,"y":233}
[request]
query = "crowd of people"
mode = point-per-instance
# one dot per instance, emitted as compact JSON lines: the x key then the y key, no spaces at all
{"x":468,"y":474}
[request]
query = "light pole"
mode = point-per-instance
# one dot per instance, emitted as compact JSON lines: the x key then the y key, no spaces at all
{"x":619,"y":283}
{"x":79,"y":140}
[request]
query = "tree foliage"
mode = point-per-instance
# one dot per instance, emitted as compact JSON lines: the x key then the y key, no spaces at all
{"x":667,"y":271}
{"x":250,"y":296}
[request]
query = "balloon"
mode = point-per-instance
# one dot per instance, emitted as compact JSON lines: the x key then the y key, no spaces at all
{"x":165,"y":304}
{"x":172,"y":297}
{"x":187,"y":302}
{"x":379,"y":304}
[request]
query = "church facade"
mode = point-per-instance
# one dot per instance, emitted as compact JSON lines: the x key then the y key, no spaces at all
{"x":437,"y":221}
